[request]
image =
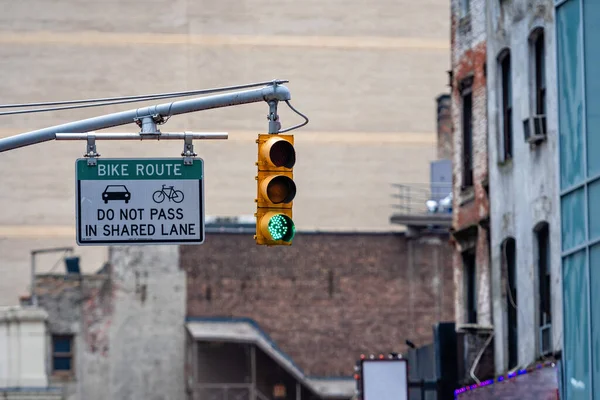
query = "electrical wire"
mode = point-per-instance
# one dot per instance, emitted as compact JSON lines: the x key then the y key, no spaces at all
{"x":295,"y":126}
{"x":99,"y":102}
{"x":478,"y":358}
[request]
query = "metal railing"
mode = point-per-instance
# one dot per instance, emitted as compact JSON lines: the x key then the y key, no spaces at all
{"x":423,"y":198}
{"x":227,"y":391}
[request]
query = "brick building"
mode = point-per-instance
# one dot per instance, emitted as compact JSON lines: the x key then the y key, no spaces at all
{"x":330,"y":296}
{"x":470,"y":222}
{"x":229,"y":318}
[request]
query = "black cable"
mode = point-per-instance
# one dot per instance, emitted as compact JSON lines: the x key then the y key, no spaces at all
{"x":100,"y":102}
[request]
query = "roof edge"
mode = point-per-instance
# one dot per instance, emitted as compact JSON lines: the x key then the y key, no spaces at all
{"x":310,"y":381}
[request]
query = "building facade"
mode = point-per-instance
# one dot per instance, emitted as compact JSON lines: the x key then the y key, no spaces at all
{"x":330,"y":296}
{"x":579,"y":172}
{"x":470,"y":222}
{"x":362,"y":136}
{"x":229,"y":318}
{"x":522,"y":142}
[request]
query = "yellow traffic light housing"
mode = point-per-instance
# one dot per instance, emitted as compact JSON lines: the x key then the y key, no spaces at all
{"x":275,"y":190}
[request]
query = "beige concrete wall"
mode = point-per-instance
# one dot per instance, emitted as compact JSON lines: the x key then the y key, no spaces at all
{"x":366,"y":73}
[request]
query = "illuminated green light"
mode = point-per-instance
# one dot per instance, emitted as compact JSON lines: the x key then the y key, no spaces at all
{"x":281,"y":227}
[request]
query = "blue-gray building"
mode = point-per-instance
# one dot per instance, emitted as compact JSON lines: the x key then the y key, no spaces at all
{"x":578,"y":52}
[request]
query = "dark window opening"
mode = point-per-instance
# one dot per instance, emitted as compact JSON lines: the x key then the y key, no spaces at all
{"x":470,"y":280}
{"x":507,"y":132}
{"x":509,"y":256}
{"x":62,"y":354}
{"x":544,"y":280}
{"x":540,"y":73}
{"x":467,"y":133}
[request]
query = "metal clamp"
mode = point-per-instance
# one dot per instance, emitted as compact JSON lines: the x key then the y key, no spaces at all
{"x":90,"y":151}
{"x":148,"y":124}
{"x":188,"y":149}
{"x":274,"y":124}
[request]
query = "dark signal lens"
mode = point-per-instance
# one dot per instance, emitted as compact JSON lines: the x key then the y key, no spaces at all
{"x":282,"y":154}
{"x":281,"y":189}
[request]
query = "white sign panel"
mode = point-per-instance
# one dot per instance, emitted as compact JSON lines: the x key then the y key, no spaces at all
{"x":140,"y":201}
{"x":385,"y":379}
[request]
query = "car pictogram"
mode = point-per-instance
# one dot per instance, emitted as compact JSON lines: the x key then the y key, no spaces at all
{"x":116,"y":192}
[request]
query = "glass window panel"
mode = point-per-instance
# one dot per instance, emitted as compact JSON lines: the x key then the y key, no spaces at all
{"x":570,"y":94}
{"x":594,"y":209}
{"x":62,"y":344}
{"x":592,"y":83}
{"x":62,"y":363}
{"x":595,"y":309}
{"x":576,"y":336}
{"x":572,"y":219}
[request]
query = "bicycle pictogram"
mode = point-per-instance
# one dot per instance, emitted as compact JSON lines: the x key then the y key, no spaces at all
{"x":167,"y":192}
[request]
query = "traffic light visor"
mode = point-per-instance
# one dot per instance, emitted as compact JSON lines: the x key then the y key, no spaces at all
{"x":281,"y":227}
{"x":281,"y":153}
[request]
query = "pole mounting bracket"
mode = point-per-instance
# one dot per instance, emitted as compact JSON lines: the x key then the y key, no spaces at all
{"x":274,"y":124}
{"x":188,"y":149}
{"x":90,"y":150}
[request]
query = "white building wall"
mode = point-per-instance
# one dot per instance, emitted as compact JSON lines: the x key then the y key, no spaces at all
{"x":524,"y":191}
{"x":22,"y":348}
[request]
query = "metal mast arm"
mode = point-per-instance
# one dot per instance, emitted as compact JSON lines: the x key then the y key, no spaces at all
{"x":267,"y":93}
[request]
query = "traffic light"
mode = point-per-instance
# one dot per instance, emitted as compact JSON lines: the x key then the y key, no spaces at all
{"x":275,"y":190}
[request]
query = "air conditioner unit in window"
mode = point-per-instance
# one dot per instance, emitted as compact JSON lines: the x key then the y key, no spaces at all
{"x":545,"y":339}
{"x":534,"y":129}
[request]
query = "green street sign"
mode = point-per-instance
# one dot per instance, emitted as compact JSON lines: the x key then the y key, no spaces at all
{"x":140,"y":201}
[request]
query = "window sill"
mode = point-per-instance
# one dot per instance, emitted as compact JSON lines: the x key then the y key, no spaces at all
{"x":66,"y":376}
{"x":465,"y":327}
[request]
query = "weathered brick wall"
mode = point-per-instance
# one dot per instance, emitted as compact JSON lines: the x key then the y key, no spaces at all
{"x":81,"y":306}
{"x":471,"y":205}
{"x":329,"y":297}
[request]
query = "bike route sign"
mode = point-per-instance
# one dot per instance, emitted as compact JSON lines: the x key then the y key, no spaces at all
{"x":139,"y":201}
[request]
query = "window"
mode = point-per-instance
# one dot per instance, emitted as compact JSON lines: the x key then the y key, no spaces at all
{"x":544,"y":291}
{"x":543,"y":267}
{"x":539,"y":71}
{"x":506,"y":105}
{"x":62,"y":354}
{"x":467,"y":132}
{"x":534,"y":126}
{"x":470,"y":280}
{"x":509,"y":254}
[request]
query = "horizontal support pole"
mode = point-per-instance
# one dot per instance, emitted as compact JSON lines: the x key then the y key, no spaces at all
{"x":142,"y":136}
{"x":267,"y":93}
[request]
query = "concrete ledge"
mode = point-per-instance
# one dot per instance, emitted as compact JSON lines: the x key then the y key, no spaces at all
{"x":423,"y":220}
{"x":16,"y":313}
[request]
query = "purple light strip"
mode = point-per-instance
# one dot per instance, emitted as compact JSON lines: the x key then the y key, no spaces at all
{"x":501,"y":378}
